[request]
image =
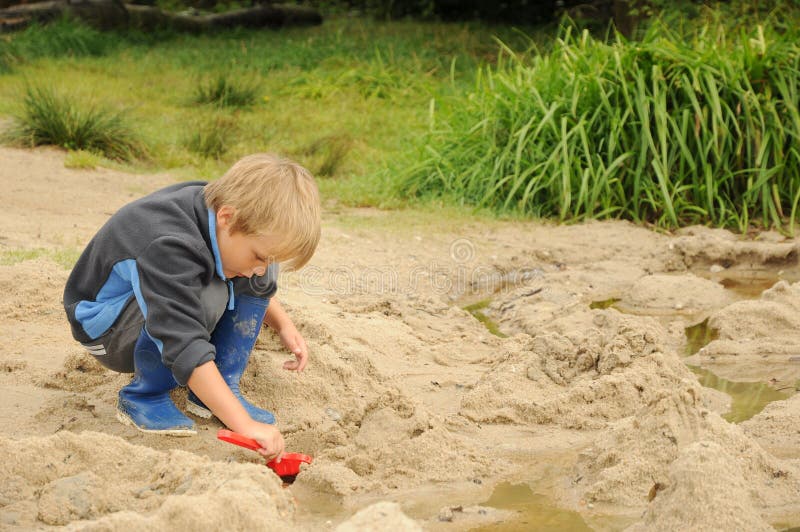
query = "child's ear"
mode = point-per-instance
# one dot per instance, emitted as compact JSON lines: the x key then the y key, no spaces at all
{"x":225,"y":216}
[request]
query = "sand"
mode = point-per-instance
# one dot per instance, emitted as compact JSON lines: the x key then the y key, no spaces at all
{"x":409,"y":405}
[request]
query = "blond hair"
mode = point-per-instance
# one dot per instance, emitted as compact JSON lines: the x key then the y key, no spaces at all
{"x":272,"y":195}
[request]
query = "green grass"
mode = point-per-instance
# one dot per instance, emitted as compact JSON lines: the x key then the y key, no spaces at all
{"x":696,"y":127}
{"x":226,"y":90}
{"x":671,"y":130}
{"x":61,"y":38}
{"x":49,"y":118}
{"x":342,"y":98}
{"x":212,"y":139}
{"x":66,"y":258}
{"x":82,"y":160}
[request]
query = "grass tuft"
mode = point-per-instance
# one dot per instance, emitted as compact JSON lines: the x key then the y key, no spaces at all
{"x":325,"y":156}
{"x":82,"y":160}
{"x":47,"y":118}
{"x":228,"y":91}
{"x":213,"y":139}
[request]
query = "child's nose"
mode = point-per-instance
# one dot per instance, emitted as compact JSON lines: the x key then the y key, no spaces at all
{"x":259,"y":271}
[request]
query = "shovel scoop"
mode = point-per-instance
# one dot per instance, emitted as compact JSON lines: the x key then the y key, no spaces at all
{"x":289,"y":466}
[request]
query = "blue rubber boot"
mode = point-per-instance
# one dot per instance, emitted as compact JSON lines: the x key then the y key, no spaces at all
{"x":234,"y":339}
{"x":145,"y":402}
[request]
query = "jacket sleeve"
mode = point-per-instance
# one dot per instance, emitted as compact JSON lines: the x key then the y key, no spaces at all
{"x":171,"y":276}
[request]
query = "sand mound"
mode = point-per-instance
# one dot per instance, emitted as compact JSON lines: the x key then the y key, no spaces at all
{"x":581,"y":371}
{"x":364,"y":433}
{"x":703,"y":247}
{"x":751,"y":333}
{"x":705,"y":491}
{"x":380,"y":516}
{"x":667,"y":294}
{"x":777,"y":427}
{"x":625,"y":463}
{"x":526,"y":308}
{"x":95,"y":481}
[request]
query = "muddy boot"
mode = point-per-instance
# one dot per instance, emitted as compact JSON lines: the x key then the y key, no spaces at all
{"x":234,"y":339}
{"x":145,"y":402}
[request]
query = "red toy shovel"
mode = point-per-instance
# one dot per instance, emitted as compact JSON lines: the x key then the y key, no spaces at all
{"x":289,"y":466}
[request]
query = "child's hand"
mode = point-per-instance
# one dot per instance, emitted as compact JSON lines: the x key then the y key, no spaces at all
{"x":270,"y":439}
{"x":294,"y":342}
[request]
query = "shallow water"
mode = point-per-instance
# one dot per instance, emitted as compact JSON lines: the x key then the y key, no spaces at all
{"x":748,"y":398}
{"x":698,"y":336}
{"x":535,"y":512}
{"x":749,"y":284}
{"x":476,"y":310}
{"x":607,"y":303}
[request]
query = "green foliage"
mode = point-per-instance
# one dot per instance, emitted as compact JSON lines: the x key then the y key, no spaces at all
{"x":81,"y":159}
{"x":60,"y":38}
{"x":49,"y":118}
{"x":673,"y":129}
{"x":227,"y":90}
{"x":380,"y":77}
{"x":325,"y":156}
{"x":213,"y":139}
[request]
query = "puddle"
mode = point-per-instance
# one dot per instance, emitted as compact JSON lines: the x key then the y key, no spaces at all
{"x":535,"y":512}
{"x":315,"y":507}
{"x":608,"y":303}
{"x":698,"y":336}
{"x":749,"y":288}
{"x":476,"y":310}
{"x":749,"y":284}
{"x":748,"y":398}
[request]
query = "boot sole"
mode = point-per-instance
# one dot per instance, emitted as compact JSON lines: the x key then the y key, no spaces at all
{"x":198,"y":410}
{"x":126,"y":420}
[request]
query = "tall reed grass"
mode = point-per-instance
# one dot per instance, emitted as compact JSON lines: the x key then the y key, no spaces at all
{"x":669,"y":130}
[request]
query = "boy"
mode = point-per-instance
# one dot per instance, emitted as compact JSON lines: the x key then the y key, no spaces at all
{"x":175,"y":287}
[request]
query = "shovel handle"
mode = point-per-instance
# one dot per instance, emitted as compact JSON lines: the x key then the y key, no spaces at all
{"x":238,"y":439}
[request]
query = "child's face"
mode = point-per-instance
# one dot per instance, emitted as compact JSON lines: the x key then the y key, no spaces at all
{"x":242,"y":255}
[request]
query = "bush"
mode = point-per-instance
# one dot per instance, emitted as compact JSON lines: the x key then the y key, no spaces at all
{"x":48,"y":118}
{"x":669,"y":130}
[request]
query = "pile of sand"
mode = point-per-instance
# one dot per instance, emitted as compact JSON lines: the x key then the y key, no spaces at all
{"x":705,"y":490}
{"x":626,"y":462}
{"x":365,"y":432}
{"x":662,"y":294}
{"x":580,"y":371}
{"x":102,"y":482}
{"x":777,"y":428}
{"x":757,"y":340}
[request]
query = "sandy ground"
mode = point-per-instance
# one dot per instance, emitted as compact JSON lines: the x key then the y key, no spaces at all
{"x":413,"y":411}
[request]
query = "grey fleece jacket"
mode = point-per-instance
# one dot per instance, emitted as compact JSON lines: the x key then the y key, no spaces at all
{"x":162,"y":251}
